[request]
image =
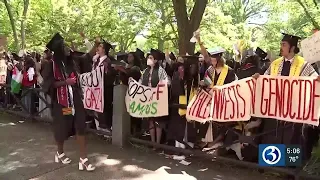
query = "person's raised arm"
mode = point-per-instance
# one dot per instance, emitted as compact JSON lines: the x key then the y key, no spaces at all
{"x":203,"y":50}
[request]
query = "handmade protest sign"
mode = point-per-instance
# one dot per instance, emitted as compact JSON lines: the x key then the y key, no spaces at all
{"x":92,"y":88}
{"x":311,"y":48}
{"x":231,"y":102}
{"x":292,"y":99}
{"x":144,"y":101}
{"x":3,"y":71}
{"x":199,"y":107}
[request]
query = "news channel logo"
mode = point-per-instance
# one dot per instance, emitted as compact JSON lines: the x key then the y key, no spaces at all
{"x":272,"y":155}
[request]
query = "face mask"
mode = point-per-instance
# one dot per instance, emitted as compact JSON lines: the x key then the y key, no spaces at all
{"x":150,"y":62}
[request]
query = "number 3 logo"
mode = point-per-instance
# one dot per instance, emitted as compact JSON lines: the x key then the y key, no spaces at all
{"x":271,"y":155}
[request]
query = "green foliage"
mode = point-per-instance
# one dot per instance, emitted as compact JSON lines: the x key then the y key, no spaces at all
{"x":151,"y":23}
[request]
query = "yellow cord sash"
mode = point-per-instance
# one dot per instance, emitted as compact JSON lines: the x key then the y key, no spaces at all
{"x":295,"y":68}
{"x":183,"y":99}
{"x":222,"y":76}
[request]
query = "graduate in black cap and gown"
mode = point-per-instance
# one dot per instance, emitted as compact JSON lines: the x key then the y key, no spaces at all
{"x":103,"y":58}
{"x":249,"y":67}
{"x":60,"y":81}
{"x":264,"y":61}
{"x":140,"y":55}
{"x":289,"y":64}
{"x":132,"y":69}
{"x":184,"y":85}
{"x":217,"y":74}
{"x":151,"y":77}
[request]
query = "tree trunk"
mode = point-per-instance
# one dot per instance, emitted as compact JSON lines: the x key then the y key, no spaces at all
{"x":186,"y":25}
{"x":13,"y":26}
{"x":23,"y":20}
{"x":161,"y":44}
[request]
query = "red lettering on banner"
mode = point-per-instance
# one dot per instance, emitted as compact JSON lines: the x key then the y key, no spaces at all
{"x":206,"y":100}
{"x":292,"y":114}
{"x":252,"y":86}
{"x":314,"y":97}
{"x":227,"y":100}
{"x":299,"y":110}
{"x":216,"y":105}
{"x":271,"y":94}
{"x":263,"y":111}
{"x":159,"y":91}
{"x":244,"y":103}
{"x":195,"y":104}
{"x":87,"y":100}
{"x":93,"y":98}
{"x":279,"y":98}
{"x":306,"y":115}
{"x":221,"y":104}
{"x":286,"y":90}
{"x":232,"y":102}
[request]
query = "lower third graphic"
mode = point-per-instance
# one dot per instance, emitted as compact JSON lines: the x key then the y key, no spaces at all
{"x":272,"y":155}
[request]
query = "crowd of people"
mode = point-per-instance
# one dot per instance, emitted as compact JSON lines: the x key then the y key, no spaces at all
{"x":57,"y":69}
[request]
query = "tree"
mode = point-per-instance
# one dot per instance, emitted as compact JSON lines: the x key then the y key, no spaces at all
{"x":12,"y":22}
{"x":187,"y":24}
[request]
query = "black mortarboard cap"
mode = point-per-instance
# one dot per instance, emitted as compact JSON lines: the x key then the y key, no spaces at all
{"x":156,"y":55}
{"x":291,"y":39}
{"x":16,"y":57}
{"x":122,"y":56}
{"x":55,"y":42}
{"x":172,"y":56}
{"x":261,"y":53}
{"x":106,"y":45}
{"x":162,"y":55}
{"x":139,"y":53}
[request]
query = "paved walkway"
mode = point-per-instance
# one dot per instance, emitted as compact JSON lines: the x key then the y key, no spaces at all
{"x":27,"y":151}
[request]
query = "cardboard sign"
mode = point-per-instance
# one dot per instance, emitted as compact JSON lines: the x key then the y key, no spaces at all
{"x":292,"y":99}
{"x":144,"y":101}
{"x":288,"y":98}
{"x":93,"y":89}
{"x":3,"y":71}
{"x":311,"y":48}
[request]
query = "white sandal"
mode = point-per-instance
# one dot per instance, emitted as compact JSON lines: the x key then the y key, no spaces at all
{"x":61,"y":158}
{"x":83,"y":166}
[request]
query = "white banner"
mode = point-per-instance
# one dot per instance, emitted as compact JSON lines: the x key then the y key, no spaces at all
{"x":311,"y":48}
{"x":92,"y":88}
{"x":231,"y":102}
{"x":144,"y":101}
{"x":199,"y":107}
{"x":3,"y":71}
{"x":292,"y":99}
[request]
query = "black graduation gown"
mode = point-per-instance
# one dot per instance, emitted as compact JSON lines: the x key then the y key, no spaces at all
{"x":282,"y":132}
{"x":64,"y":126}
{"x":247,"y":70}
{"x":133,"y":72}
{"x":105,"y":118}
{"x":217,"y":128}
{"x":177,"y":123}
